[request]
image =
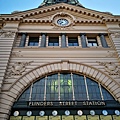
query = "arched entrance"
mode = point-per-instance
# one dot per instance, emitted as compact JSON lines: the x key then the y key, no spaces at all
{"x":63,"y":97}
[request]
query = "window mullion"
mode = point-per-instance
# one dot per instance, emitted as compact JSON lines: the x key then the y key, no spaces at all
{"x":101,"y":91}
{"x":30,"y":97}
{"x":73,"y":87}
{"x":86,"y":87}
{"x":58,"y":86}
{"x":45,"y":88}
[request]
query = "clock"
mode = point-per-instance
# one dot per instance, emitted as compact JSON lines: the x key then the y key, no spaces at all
{"x":117,"y":112}
{"x":92,"y":112}
{"x":105,"y":112}
{"x":67,"y":112}
{"x":62,"y":22}
{"x":29,"y":113}
{"x":41,"y":113}
{"x":79,"y":112}
{"x":16,"y":113}
{"x":54,"y":113}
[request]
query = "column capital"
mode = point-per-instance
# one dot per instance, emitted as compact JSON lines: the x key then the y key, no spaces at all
{"x":82,"y":34}
{"x":105,"y":34}
{"x":63,"y":34}
{"x":23,"y":33}
{"x":43,"y":33}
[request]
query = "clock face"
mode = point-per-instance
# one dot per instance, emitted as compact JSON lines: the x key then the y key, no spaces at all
{"x":54,"y":113}
{"x":16,"y":113}
{"x":29,"y":113}
{"x":92,"y":112}
{"x":67,"y":112}
{"x":117,"y":112}
{"x":63,"y":22}
{"x":79,"y":112}
{"x":41,"y":113}
{"x":104,"y":112}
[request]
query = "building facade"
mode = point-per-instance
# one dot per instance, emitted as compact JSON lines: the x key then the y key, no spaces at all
{"x":60,"y":61}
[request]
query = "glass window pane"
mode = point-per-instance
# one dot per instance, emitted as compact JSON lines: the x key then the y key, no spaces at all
{"x":93,"y":90}
{"x":68,"y":83}
{"x":72,"y":41}
{"x":33,"y":41}
{"x":53,"y":41}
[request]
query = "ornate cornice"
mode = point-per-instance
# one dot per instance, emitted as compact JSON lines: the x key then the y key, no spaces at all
{"x":12,"y":18}
{"x":51,"y":8}
{"x":23,"y":16}
{"x":111,"y":19}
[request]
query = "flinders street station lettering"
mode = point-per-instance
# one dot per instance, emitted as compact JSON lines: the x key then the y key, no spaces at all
{"x":65,"y":103}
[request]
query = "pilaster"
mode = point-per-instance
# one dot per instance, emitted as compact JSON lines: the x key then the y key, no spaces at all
{"x":7,"y":37}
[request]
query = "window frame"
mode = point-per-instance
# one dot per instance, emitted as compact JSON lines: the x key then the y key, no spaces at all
{"x":33,"y":41}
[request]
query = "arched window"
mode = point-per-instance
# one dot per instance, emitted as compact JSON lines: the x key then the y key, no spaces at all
{"x":62,"y":87}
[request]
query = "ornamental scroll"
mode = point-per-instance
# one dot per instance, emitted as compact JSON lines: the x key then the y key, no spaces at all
{"x":18,"y":68}
{"x":110,"y":67}
{"x":116,"y":35}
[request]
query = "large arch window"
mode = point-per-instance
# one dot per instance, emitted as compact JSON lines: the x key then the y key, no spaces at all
{"x":63,"y":86}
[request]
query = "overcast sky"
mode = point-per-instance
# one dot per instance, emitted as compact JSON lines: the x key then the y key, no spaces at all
{"x":8,"y":6}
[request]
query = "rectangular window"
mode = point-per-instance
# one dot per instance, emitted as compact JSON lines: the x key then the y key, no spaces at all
{"x":73,"y":41}
{"x":53,"y":41}
{"x":92,"y":42}
{"x":33,"y":41}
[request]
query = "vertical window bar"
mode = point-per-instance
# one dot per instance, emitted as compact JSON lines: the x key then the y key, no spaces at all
{"x":30,"y":97}
{"x":72,"y":87}
{"x":86,"y":87}
{"x":101,"y":91}
{"x":58,"y":86}
{"x":45,"y":88}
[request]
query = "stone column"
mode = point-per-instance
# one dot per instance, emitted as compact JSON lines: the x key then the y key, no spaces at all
{"x":83,"y":40}
{"x":63,"y":40}
{"x":43,"y":40}
{"x":103,"y":40}
{"x":23,"y":40}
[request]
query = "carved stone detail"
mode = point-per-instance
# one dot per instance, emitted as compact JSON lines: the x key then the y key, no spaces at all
{"x":110,"y":67}
{"x":17,"y":54}
{"x":116,"y":35}
{"x":7,"y":34}
{"x":111,"y":54}
{"x":63,"y":15}
{"x":18,"y":68}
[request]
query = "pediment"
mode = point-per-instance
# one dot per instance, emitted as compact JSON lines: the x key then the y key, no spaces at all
{"x":45,"y":13}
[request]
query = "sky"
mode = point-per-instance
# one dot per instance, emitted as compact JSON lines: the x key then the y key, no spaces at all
{"x":8,"y":6}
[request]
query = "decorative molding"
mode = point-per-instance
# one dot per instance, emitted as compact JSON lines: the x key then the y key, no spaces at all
{"x":18,"y":68}
{"x":17,"y":54}
{"x":63,"y":15}
{"x":111,"y":54}
{"x":63,"y":6}
{"x":116,"y":34}
{"x":110,"y":67}
{"x":7,"y":34}
{"x":63,"y":28}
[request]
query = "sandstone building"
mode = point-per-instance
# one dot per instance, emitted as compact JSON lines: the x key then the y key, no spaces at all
{"x":60,"y":61}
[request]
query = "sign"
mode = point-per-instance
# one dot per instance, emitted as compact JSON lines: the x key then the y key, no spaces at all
{"x":65,"y":103}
